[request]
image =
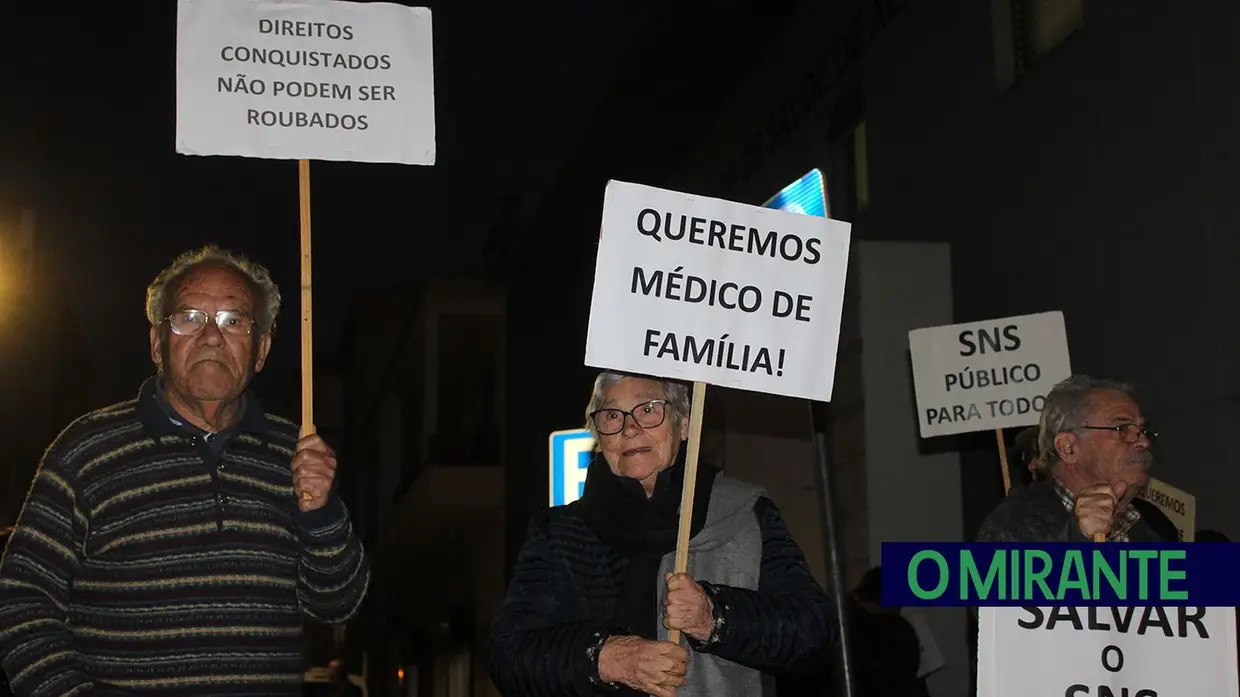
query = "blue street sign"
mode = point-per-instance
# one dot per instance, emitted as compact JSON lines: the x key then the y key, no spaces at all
{"x":571,"y":452}
{"x":807,"y":196}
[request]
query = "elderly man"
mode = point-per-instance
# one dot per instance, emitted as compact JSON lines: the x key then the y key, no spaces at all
{"x":162,"y":549}
{"x":1094,"y":460}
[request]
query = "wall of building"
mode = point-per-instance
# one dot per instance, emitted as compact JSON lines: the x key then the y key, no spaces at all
{"x":1100,"y":183}
{"x":425,"y":385}
{"x":1100,"y":180}
{"x":767,"y":442}
{"x":775,"y":121}
{"x":1109,"y":170}
{"x":913,"y":492}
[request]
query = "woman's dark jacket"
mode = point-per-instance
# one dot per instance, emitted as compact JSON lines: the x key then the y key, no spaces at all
{"x":566,"y":599}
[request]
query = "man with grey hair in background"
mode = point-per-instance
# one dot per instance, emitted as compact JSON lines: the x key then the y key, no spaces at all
{"x":174,"y":543}
{"x":1094,"y":458}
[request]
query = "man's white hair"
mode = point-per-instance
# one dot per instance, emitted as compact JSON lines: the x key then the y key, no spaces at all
{"x":266,"y":295}
{"x":1065,"y":411}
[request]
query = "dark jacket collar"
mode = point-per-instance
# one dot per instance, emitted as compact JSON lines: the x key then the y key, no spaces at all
{"x":1042,"y":506}
{"x":158,"y":416}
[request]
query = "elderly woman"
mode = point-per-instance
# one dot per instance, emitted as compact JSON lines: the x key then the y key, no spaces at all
{"x":593,"y":595}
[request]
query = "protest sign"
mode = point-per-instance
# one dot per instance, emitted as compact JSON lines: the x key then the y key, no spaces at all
{"x":1180,"y":506}
{"x":305,"y":80}
{"x":987,"y":375}
{"x":711,"y":291}
{"x":1106,"y":652}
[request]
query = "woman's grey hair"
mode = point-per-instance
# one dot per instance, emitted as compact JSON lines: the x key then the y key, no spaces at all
{"x":678,"y":399}
{"x":1065,"y":411}
{"x":264,"y":292}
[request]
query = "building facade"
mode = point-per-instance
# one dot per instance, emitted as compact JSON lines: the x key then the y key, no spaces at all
{"x":1075,"y":155}
{"x":423,"y":380}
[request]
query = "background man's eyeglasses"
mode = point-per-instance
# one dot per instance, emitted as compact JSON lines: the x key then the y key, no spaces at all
{"x":1129,"y":433}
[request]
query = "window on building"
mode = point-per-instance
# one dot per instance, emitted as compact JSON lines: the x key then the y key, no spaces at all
{"x":848,"y":176}
{"x":1025,"y":31}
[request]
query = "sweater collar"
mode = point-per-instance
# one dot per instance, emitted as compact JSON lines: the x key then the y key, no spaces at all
{"x":160,"y":419}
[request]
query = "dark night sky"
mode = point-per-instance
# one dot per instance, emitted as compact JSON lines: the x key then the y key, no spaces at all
{"x":87,"y":120}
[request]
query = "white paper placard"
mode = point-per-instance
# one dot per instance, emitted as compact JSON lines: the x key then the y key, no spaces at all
{"x":983,"y":376}
{"x":1179,"y":506}
{"x":707,"y":290}
{"x":305,"y":80}
{"x":1088,"y":652}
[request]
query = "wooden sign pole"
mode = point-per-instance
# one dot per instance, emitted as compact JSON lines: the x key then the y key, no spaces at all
{"x":307,"y":343}
{"x":1003,"y":463}
{"x":686,"y":493}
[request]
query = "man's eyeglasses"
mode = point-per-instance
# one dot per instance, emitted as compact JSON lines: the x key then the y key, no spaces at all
{"x":609,"y":422}
{"x":1129,"y":433}
{"x":192,"y":322}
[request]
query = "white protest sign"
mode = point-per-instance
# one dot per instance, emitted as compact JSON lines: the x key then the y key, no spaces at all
{"x":305,"y":80}
{"x":707,"y":290}
{"x":1106,"y":652}
{"x":1180,"y":506}
{"x":987,"y":375}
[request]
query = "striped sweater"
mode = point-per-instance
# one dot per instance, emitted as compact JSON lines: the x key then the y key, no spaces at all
{"x":150,"y":560}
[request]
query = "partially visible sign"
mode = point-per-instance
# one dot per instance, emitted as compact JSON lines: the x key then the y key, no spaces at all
{"x":1106,"y":651}
{"x":805,"y":196}
{"x":571,"y":453}
{"x":1180,"y":506}
{"x":305,"y":80}
{"x":983,"y":376}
